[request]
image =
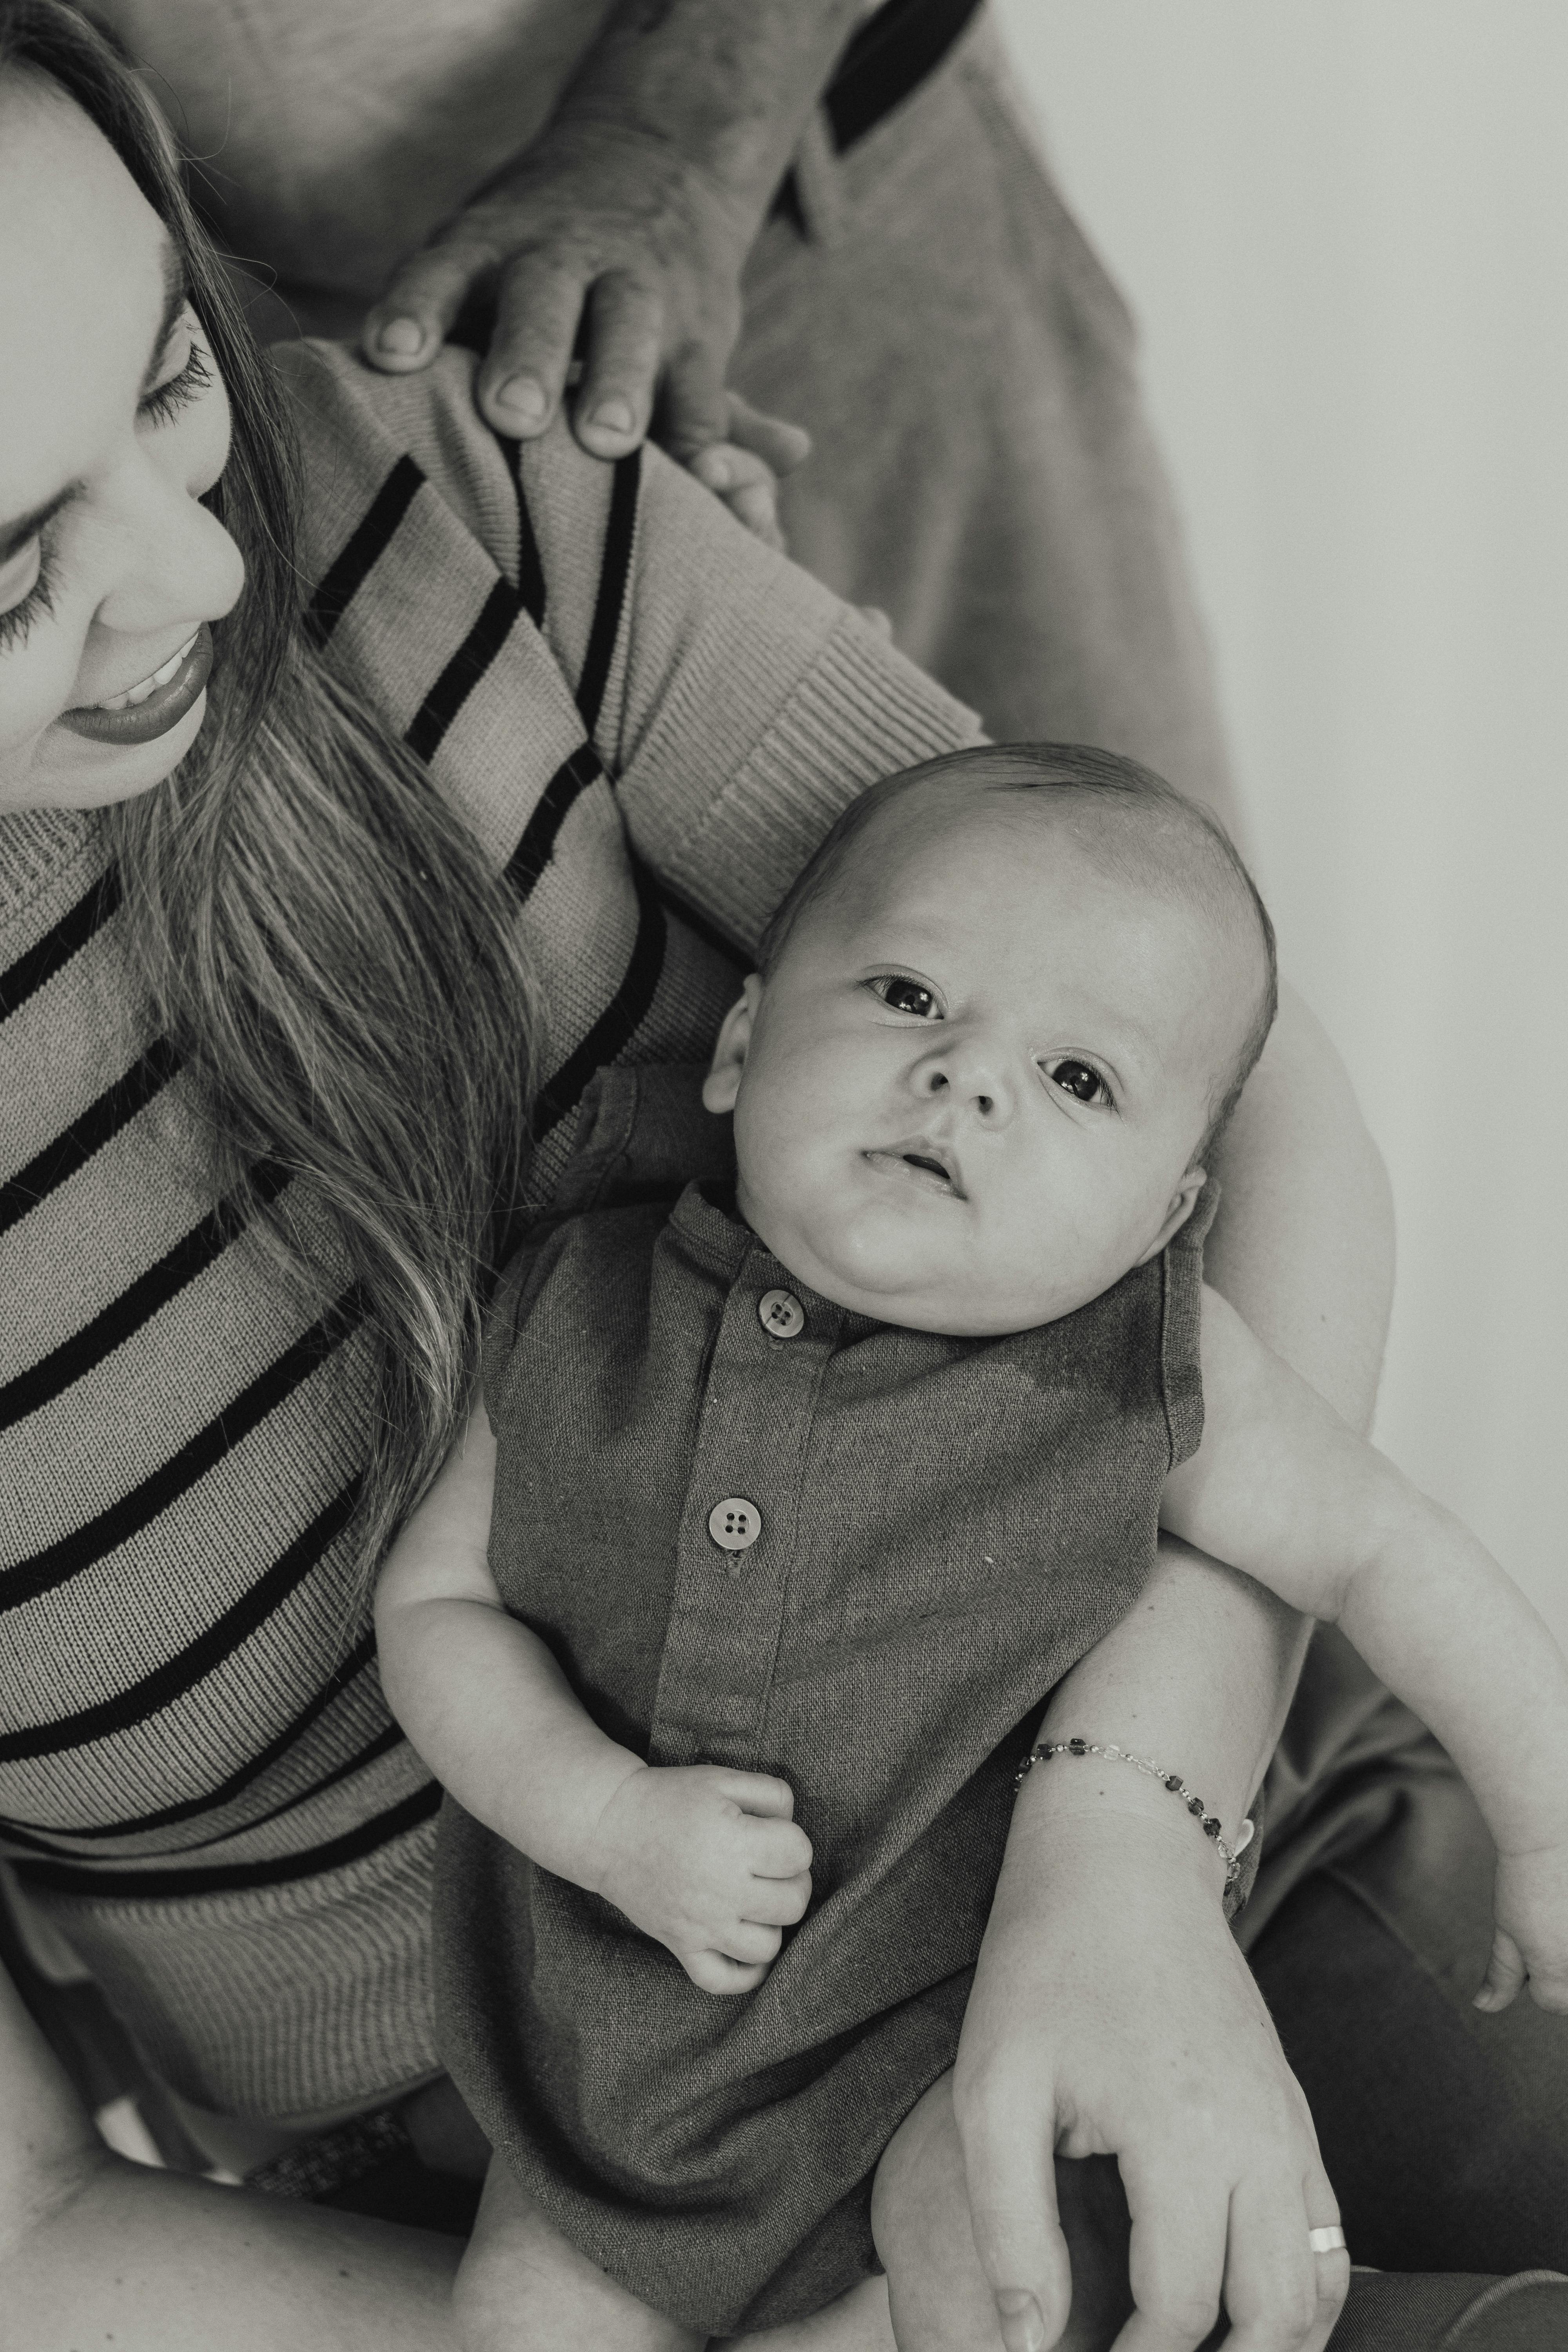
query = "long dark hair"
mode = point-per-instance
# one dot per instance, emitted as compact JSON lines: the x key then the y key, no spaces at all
{"x":323,"y":939}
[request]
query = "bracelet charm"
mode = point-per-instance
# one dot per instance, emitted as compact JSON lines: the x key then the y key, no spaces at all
{"x":1208,"y":1822}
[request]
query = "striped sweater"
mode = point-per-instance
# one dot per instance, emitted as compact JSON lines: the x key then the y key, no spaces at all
{"x":649,"y":721}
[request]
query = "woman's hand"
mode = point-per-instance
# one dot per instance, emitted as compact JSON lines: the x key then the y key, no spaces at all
{"x":1112,"y":2014}
{"x":707,"y":1862}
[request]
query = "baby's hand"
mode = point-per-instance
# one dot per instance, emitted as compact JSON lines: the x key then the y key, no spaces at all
{"x":707,"y":1862}
{"x":1530,"y":1938}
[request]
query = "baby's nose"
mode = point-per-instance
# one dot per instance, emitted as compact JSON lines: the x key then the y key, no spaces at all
{"x":967,"y":1076}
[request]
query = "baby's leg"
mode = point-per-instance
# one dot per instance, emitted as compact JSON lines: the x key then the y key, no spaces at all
{"x":938,"y":2294}
{"x":522,"y":2287}
{"x":857,"y":2322}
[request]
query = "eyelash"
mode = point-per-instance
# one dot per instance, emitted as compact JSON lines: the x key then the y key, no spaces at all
{"x":900,"y":979}
{"x":160,"y":407}
{"x":1104,"y":1100}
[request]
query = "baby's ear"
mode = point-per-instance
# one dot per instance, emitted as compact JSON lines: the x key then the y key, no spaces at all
{"x":722,"y":1084}
{"x":1184,"y":1200}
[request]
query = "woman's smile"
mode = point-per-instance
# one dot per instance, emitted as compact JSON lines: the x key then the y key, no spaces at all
{"x":140,"y":713}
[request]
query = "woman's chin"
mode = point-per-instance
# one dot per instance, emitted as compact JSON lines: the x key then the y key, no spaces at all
{"x":70,"y":771}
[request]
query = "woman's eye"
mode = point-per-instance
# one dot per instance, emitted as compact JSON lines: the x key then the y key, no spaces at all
{"x":19,"y":574}
{"x":187,"y":384}
{"x":24,"y":585}
{"x":907,"y":996}
{"x":1077,"y":1079}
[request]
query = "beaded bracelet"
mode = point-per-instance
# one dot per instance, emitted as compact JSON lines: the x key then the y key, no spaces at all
{"x":1208,"y":1822}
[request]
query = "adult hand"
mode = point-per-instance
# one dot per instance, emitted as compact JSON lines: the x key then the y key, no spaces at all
{"x":601,"y":237}
{"x":1112,"y":2014}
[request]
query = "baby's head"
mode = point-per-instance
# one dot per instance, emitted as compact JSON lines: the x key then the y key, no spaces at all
{"x":998,"y":1023}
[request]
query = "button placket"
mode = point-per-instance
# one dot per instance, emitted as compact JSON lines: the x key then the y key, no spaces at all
{"x":732,"y":1575}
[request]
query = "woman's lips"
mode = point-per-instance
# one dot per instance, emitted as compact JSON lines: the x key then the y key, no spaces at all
{"x":157,"y":712}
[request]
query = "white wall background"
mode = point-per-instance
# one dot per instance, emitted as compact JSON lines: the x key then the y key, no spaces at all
{"x":1344,"y":228}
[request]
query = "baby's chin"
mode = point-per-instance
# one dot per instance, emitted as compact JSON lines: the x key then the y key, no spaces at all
{"x":867,"y":1272}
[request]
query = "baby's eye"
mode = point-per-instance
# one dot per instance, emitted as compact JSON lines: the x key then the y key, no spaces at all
{"x":1077,"y":1079}
{"x":907,"y":996}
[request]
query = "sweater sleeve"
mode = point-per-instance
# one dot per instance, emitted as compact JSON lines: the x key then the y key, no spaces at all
{"x":755,"y":706}
{"x":737,"y":702}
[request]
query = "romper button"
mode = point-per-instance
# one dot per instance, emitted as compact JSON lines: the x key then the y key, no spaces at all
{"x":735,"y":1524}
{"x":780,"y":1312}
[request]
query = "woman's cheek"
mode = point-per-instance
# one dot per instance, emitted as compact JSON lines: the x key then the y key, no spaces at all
{"x":38,"y":680}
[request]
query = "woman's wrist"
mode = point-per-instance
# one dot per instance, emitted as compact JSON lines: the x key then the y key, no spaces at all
{"x":1110,"y":1820}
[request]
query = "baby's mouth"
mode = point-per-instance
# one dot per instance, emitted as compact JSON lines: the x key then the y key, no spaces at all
{"x":921,"y":1162}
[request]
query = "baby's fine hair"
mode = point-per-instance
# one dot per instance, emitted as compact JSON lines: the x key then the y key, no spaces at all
{"x":1183,"y":852}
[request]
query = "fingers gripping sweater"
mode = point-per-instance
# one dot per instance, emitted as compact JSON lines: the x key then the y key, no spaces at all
{"x":649,"y":721}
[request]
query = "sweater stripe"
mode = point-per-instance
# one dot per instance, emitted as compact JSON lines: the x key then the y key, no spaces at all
{"x":614,"y":571}
{"x":55,"y":950}
{"x":464,"y":671}
{"x":98,"y":1125}
{"x":198,"y":1659}
{"x":226,"y":1878}
{"x":534,"y":853}
{"x":212,"y":1799}
{"x":42,"y":1382}
{"x":530,"y":585}
{"x":613,"y":1029}
{"x":342,"y":580}
{"x":389,"y":1737}
{"x":105,"y":1533}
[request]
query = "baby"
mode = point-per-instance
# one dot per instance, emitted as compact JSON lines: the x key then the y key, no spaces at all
{"x":796,"y":1497}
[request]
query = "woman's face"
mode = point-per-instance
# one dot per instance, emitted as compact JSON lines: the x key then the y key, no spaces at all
{"x":112,"y":423}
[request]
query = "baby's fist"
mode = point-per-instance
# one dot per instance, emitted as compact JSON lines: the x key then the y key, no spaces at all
{"x":1530,"y":1938}
{"x":710,"y":1863}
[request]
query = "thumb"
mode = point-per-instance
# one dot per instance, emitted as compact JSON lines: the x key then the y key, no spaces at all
{"x":1505,"y":1973}
{"x":1011,"y":2176}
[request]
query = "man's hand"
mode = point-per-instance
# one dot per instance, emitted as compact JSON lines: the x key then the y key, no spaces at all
{"x":619,"y":235}
{"x":707,"y":1862}
{"x":1113,"y":2015}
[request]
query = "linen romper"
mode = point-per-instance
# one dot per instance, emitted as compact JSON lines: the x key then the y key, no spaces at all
{"x":761,"y":1531}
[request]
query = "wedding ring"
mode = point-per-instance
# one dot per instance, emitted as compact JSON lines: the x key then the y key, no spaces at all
{"x":1327,"y":2241}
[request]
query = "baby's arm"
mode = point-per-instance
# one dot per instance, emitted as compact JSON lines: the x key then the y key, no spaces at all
{"x":1282,"y":1489}
{"x":705,"y":1860}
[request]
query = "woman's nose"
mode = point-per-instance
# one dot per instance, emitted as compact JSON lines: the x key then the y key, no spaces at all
{"x":180,"y":563}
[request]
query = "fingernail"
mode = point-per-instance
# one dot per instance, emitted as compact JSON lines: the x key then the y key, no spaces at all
{"x":401,"y":337}
{"x":615,"y":415}
{"x":523,"y":396}
{"x":716,"y":472}
{"x":1022,"y":2329}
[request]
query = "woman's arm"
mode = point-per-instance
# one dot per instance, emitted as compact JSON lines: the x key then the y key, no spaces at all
{"x":1111,"y":2010}
{"x":94,"y":2249}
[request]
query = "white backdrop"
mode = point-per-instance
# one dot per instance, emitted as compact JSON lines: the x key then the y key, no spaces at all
{"x":1344,"y":228}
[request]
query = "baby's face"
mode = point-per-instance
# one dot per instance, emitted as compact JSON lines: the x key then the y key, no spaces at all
{"x":969,"y":1095}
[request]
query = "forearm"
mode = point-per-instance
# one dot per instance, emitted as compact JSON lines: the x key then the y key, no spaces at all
{"x":727,"y":85}
{"x":94,"y":2249}
{"x":1439,"y":1622}
{"x":1200,"y":1675}
{"x":491,"y":1713}
{"x":1198,"y":1679}
{"x":156,"y":2261}
{"x":1303,"y":1243}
